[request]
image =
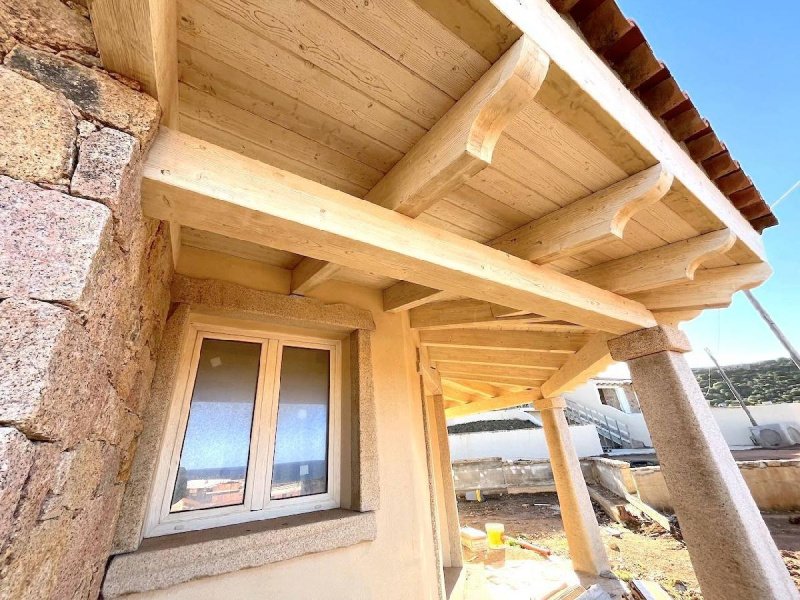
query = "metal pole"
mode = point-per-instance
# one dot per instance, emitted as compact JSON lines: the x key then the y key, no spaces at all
{"x":733,"y":390}
{"x":774,"y":327}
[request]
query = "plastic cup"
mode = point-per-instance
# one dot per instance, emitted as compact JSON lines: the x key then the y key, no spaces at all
{"x":494,"y":533}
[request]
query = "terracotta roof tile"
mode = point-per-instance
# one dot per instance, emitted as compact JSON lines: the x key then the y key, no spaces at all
{"x":619,"y":41}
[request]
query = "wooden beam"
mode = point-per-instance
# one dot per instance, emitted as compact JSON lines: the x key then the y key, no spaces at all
{"x":213,"y":189}
{"x":667,"y":265}
{"x":138,"y":39}
{"x":461,"y":143}
{"x":457,"y":313}
{"x":508,"y":358}
{"x":175,"y":243}
{"x":405,"y":295}
{"x":568,"y":51}
{"x":592,"y":359}
{"x":588,"y":222}
{"x":525,"y":375}
{"x":310,"y":273}
{"x":511,"y":340}
{"x":711,"y":288}
{"x":431,"y":379}
{"x":509,"y":400}
{"x":475,"y":388}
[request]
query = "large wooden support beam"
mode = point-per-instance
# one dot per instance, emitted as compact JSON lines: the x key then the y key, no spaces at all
{"x":588,"y":222}
{"x":667,"y":265}
{"x":138,"y":38}
{"x":213,"y":189}
{"x":711,"y":288}
{"x":510,"y":340}
{"x":405,"y":295}
{"x":461,"y":143}
{"x":507,"y":358}
{"x":509,"y":400}
{"x":570,"y":53}
{"x":592,"y":359}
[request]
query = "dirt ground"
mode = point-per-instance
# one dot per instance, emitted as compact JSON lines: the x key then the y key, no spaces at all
{"x":646,"y":554}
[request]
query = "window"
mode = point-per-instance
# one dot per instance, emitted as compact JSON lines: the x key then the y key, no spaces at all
{"x":253,"y":432}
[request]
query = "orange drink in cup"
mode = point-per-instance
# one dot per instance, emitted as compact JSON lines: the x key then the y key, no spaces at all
{"x":494,"y":533}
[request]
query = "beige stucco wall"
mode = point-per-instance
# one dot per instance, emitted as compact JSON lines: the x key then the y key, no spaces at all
{"x":400,"y":563}
{"x":774,"y":484}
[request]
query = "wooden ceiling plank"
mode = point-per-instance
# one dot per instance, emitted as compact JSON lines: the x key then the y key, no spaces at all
{"x":591,"y":360}
{"x":667,"y":265}
{"x":210,"y":188}
{"x":588,"y":222}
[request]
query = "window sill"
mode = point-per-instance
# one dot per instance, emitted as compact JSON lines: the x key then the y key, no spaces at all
{"x":169,"y":560}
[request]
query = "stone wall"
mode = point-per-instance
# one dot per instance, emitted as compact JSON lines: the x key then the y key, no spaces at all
{"x":84,"y":282}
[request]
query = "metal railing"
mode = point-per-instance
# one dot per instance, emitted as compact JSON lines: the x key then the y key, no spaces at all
{"x":613,"y":433}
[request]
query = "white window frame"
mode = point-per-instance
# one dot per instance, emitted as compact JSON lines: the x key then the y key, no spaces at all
{"x":257,"y":504}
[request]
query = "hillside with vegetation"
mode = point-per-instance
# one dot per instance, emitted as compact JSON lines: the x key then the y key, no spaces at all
{"x":769,"y":381}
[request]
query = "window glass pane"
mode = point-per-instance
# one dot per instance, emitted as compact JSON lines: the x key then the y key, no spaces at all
{"x":216,"y":446}
{"x":300,"y":466}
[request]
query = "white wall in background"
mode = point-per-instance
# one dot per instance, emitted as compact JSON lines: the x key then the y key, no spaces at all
{"x":519,"y":443}
{"x":731,"y":420}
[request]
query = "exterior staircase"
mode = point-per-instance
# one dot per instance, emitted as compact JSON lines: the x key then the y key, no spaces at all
{"x":613,"y":434}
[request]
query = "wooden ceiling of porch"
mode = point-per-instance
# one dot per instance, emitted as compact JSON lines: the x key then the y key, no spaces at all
{"x":338,"y":91}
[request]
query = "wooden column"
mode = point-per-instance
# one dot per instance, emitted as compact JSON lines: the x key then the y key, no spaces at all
{"x":580,"y":523}
{"x":731,"y":548}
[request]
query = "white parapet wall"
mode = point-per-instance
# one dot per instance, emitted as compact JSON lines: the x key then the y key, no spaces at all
{"x":519,"y":444}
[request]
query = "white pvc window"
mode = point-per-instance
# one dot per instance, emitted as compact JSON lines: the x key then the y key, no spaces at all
{"x":253,"y":431}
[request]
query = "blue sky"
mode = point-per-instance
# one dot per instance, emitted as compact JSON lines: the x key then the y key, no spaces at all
{"x":740,"y":63}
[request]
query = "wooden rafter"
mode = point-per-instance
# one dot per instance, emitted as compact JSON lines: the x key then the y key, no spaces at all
{"x":405,"y":296}
{"x":577,"y":61}
{"x":588,"y":222}
{"x":660,"y":267}
{"x":461,"y":143}
{"x":458,"y":313}
{"x":494,"y":373}
{"x":711,"y":288}
{"x":473,"y":388}
{"x":510,"y":340}
{"x":508,"y":400}
{"x":592,"y":359}
{"x":309,"y":273}
{"x":213,"y":189}
{"x":138,"y":38}
{"x":580,"y":225}
{"x":502,"y":357}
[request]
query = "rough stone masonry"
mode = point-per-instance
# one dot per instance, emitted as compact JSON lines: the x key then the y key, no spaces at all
{"x":84,"y":282}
